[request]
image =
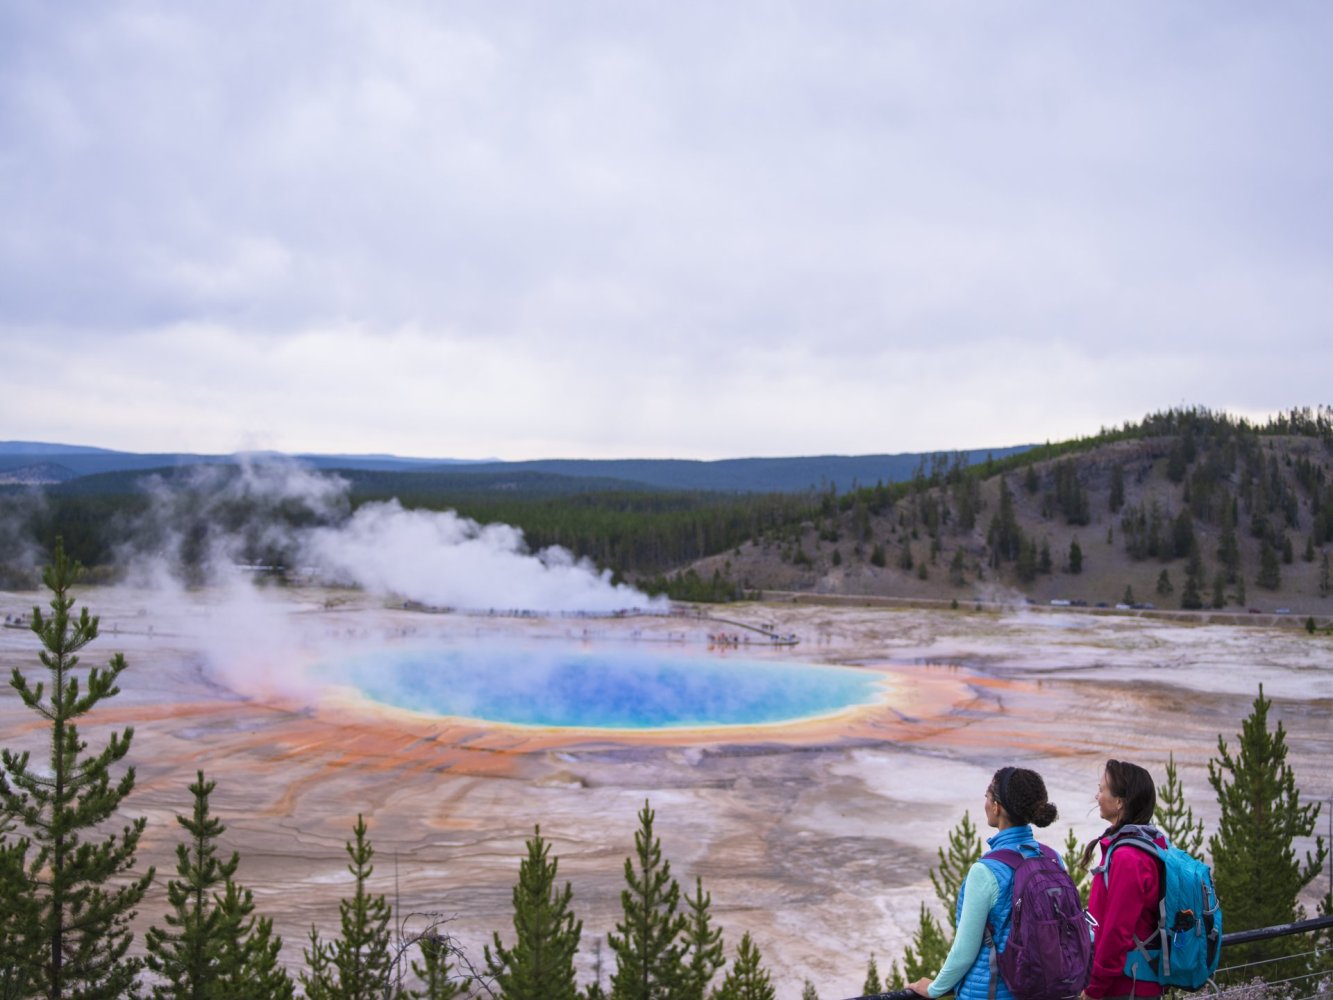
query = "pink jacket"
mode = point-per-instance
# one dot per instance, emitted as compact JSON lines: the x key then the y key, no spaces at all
{"x":1128,"y":907}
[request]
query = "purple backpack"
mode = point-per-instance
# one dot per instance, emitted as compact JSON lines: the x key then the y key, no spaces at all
{"x":1048,"y":954}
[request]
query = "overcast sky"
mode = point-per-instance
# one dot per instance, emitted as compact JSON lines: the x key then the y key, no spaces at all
{"x":697,"y":230}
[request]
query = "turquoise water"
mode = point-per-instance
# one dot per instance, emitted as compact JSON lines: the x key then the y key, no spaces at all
{"x":607,"y":688}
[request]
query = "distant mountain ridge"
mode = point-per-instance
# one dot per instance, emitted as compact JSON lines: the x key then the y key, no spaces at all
{"x":20,"y":460}
{"x":43,"y":448}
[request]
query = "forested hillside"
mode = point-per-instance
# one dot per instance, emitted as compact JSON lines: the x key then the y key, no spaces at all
{"x":1185,"y":509}
{"x":634,"y":532}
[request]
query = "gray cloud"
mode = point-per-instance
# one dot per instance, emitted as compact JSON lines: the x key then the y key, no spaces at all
{"x":648,"y":225}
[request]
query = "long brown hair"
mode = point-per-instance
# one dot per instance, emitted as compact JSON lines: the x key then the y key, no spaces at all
{"x":1135,"y":786}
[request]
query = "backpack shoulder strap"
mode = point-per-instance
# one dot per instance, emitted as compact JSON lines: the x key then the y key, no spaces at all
{"x":1014,"y":856}
{"x":1005,"y":855}
{"x":1131,"y":838}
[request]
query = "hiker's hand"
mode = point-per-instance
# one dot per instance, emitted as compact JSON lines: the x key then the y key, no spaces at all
{"x":921,"y":987}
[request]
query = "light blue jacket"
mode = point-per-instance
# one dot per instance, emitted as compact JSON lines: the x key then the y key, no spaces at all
{"x":986,"y":897}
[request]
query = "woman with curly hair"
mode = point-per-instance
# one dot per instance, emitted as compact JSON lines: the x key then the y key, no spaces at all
{"x":1015,"y":800}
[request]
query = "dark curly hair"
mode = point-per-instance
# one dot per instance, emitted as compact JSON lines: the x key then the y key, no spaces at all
{"x":1022,"y":795}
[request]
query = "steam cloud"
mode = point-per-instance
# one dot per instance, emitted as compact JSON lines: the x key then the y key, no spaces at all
{"x":442,"y":559}
{"x":20,"y":557}
{"x":204,"y":527}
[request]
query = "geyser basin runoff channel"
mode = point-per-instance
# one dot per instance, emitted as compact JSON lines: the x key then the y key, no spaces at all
{"x":616,"y":687}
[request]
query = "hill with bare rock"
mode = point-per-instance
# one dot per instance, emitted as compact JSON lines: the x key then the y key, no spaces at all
{"x":1187,"y":510}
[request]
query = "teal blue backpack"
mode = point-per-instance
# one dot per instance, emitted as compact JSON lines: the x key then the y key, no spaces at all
{"x":1184,"y":950}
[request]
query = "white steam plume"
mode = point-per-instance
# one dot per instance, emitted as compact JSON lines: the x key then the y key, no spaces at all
{"x":21,"y":558}
{"x":200,"y":528}
{"x":204,"y":525}
{"x":443,"y":559}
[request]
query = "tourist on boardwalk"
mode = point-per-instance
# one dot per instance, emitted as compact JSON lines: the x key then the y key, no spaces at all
{"x":1124,"y":900}
{"x":1015,"y":799}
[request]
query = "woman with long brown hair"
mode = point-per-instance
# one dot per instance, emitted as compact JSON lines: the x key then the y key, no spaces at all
{"x":1123,"y":900}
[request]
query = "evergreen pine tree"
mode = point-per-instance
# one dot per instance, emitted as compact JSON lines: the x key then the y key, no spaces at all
{"x":1255,"y":865}
{"x":956,"y":568}
{"x":1325,"y":580}
{"x":1026,"y":564}
{"x":361,"y":955}
{"x":963,"y":851}
{"x":249,"y":953}
{"x":1004,"y":535}
{"x":1228,"y":550}
{"x":703,"y":944}
{"x":647,"y":943}
{"x":220,"y":950}
{"x":928,"y":950}
{"x":319,"y":980}
{"x":1191,"y":597}
{"x":434,"y":970}
{"x":872,"y":984}
{"x":1154,"y":546}
{"x":1270,"y":573}
{"x":1176,"y":465}
{"x":747,"y":979}
{"x":75,"y":885}
{"x":1219,"y":589}
{"x":808,"y":991}
{"x":1173,"y":817}
{"x":1073,"y":858}
{"x":1075,"y":557}
{"x":355,"y":966}
{"x":1164,"y":586}
{"x":1117,"y":497}
{"x":185,"y":955}
{"x":1322,"y":960}
{"x":1031,"y":481}
{"x":1182,"y":533}
{"x":930,"y":946}
{"x":540,"y":965}
{"x":19,"y":946}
